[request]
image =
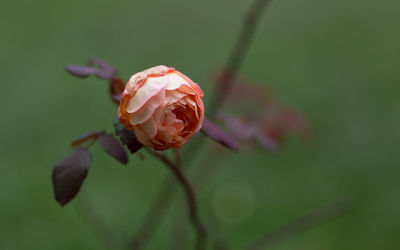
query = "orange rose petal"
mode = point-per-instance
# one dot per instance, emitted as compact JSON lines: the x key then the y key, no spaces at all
{"x":194,"y":86}
{"x":142,"y":136}
{"x":151,"y":88}
{"x":173,"y":96}
{"x":150,"y":127}
{"x":165,"y":134}
{"x":175,"y":81}
{"x":193,"y":105}
{"x":147,"y":110}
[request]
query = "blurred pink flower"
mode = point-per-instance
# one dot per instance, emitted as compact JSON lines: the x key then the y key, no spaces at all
{"x":259,"y":117}
{"x":269,"y":129}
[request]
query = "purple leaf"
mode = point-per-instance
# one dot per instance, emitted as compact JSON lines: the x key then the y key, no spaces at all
{"x":215,"y":133}
{"x":103,"y":74}
{"x":81,"y":71}
{"x":113,"y":148}
{"x":106,"y":70}
{"x":86,"y":137}
{"x":101,"y":64}
{"x":69,"y":174}
{"x":103,"y":70}
{"x":127,"y":137}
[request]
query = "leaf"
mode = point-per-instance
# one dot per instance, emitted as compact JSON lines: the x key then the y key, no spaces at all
{"x":113,"y":148}
{"x":104,"y":70}
{"x":215,"y":133}
{"x":101,"y":64}
{"x":69,"y":174}
{"x":127,"y":137}
{"x":116,"y":88}
{"x":81,"y":71}
{"x":85,"y":137}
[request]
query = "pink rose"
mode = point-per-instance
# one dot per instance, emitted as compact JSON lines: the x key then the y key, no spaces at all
{"x":162,"y":106}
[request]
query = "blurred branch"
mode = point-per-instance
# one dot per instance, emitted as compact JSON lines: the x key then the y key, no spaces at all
{"x":180,"y":230}
{"x":164,"y":198}
{"x":158,"y":210}
{"x":319,"y":216}
{"x":87,"y":211}
{"x":200,"y":177}
{"x":237,"y":54}
{"x":233,"y":64}
{"x":190,"y":196}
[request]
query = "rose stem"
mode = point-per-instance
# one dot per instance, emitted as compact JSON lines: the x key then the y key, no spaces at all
{"x":96,"y":223}
{"x":178,"y":156}
{"x":237,"y":55}
{"x":163,"y":199}
{"x":313,"y":218}
{"x":190,"y":196}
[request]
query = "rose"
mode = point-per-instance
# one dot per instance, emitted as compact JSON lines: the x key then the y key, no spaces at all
{"x":162,"y":106}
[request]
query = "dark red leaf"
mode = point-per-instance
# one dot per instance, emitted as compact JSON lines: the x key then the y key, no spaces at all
{"x":103,"y":70}
{"x":215,"y":133}
{"x":86,"y":137}
{"x":116,"y":88}
{"x":106,"y":70}
{"x":113,"y":148}
{"x":69,"y":174}
{"x":127,"y":137}
{"x":101,"y":64}
{"x":104,"y":74}
{"x":81,"y":71}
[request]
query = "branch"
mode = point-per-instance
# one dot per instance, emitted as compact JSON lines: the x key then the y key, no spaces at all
{"x":199,"y":178}
{"x":237,"y":55}
{"x":303,"y":223}
{"x":154,"y":215}
{"x":190,"y":196}
{"x":233,"y":64}
{"x":96,"y":223}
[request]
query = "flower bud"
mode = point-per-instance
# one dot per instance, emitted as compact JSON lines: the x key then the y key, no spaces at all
{"x":162,"y":106}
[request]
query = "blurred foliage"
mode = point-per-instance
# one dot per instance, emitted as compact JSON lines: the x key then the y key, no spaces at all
{"x":336,"y":61}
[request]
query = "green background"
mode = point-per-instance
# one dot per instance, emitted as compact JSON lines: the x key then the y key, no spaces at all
{"x":336,"y":60}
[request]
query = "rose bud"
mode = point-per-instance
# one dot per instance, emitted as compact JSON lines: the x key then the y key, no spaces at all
{"x":162,"y":106}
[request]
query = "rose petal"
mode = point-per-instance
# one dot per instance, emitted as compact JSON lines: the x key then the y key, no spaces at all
{"x":149,"y":127}
{"x":158,"y":115}
{"x":186,"y":90}
{"x":165,"y":134}
{"x":169,"y":118}
{"x":142,"y":137}
{"x":193,"y":85}
{"x":200,"y":105}
{"x":178,"y":125}
{"x":173,"y":96}
{"x":193,"y":105}
{"x":148,"y":109}
{"x":152,"y":87}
